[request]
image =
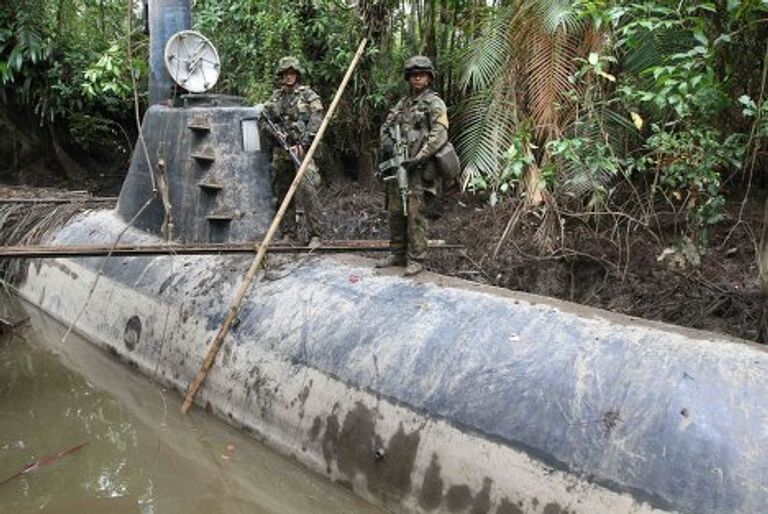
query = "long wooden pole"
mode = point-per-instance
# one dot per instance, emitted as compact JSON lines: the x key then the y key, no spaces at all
{"x":335,"y":246}
{"x":246,"y":283}
{"x":84,"y":199}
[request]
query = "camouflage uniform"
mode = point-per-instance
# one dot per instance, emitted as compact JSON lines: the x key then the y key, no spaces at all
{"x":298,"y":112}
{"x":423,"y":120}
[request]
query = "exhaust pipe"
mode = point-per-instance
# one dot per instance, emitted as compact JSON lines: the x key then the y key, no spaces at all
{"x":165,"y":18}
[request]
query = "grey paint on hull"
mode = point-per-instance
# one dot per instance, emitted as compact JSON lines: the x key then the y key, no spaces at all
{"x":673,"y":419}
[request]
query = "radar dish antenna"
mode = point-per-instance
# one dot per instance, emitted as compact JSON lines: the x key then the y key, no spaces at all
{"x":192,"y":61}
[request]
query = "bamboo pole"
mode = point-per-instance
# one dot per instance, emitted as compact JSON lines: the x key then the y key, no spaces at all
{"x":246,"y":283}
{"x":336,"y":246}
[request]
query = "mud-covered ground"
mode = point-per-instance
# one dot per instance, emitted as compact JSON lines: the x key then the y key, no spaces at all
{"x":601,"y":261}
{"x":610,"y":264}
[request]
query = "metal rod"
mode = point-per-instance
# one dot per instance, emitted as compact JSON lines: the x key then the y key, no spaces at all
{"x":58,"y":251}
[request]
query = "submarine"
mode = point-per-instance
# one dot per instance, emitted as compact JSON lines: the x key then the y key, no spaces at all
{"x":426,"y":394}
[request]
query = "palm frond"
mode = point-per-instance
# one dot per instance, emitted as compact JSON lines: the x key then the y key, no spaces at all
{"x":486,"y":130}
{"x":606,"y":128}
{"x":652,"y":48}
{"x":557,"y":15}
{"x":521,"y":67}
{"x":549,"y":68}
{"x":579,"y":182}
{"x":486,"y":57}
{"x":603,"y":123}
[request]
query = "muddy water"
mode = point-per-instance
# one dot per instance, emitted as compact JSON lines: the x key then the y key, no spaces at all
{"x":141,"y":455}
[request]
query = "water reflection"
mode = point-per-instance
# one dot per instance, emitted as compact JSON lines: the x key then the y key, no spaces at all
{"x":141,"y":455}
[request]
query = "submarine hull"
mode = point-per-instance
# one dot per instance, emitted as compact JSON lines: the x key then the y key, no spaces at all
{"x":433,"y":395}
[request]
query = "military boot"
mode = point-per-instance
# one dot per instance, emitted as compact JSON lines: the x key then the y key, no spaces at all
{"x":413,"y":268}
{"x":393,"y":259}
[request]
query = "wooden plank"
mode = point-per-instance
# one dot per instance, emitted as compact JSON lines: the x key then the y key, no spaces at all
{"x":337,"y":246}
{"x":85,"y":199}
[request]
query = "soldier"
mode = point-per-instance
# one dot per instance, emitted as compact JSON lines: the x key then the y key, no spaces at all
{"x":298,"y":113}
{"x":423,"y":121}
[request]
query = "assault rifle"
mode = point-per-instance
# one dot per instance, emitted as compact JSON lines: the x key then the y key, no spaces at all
{"x":393,"y":169}
{"x":281,"y":138}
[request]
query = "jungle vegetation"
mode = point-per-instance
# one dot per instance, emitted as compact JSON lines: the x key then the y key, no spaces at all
{"x":638,"y":110}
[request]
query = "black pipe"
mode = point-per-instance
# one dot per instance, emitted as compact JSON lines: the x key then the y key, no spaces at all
{"x":166,"y":17}
{"x":145,"y":16}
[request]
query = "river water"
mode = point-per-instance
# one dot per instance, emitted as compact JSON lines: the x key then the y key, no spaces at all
{"x":141,"y":455}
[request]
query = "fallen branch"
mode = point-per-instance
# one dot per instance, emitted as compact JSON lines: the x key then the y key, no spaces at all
{"x":6,"y":324}
{"x":43,"y":461}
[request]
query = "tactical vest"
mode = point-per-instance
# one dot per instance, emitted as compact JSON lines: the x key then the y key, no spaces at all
{"x":294,"y":109}
{"x":413,"y":116}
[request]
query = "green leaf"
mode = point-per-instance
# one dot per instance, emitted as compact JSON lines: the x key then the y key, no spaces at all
{"x":722,"y":38}
{"x":747,"y":101}
{"x":16,"y":59}
{"x":701,"y":37}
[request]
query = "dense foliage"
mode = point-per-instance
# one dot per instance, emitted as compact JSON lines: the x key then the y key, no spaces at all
{"x":67,"y":62}
{"x":253,"y":35}
{"x":593,"y":101}
{"x":643,"y":107}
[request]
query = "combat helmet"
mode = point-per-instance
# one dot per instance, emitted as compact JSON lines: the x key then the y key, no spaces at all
{"x":288,"y":63}
{"x":418,"y":63}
